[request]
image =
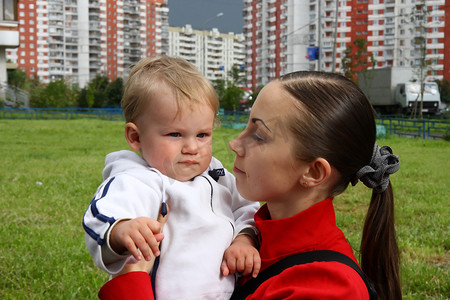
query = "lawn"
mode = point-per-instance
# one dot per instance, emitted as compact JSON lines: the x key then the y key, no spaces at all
{"x":51,"y":169}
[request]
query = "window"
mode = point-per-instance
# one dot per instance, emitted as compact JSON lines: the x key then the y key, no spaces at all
{"x":8,"y":9}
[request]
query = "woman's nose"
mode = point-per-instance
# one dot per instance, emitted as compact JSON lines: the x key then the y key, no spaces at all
{"x":236,"y":146}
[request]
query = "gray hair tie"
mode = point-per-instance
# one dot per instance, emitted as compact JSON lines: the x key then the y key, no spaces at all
{"x":375,"y":175}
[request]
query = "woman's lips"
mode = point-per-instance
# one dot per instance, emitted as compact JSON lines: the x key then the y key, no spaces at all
{"x":237,"y":170}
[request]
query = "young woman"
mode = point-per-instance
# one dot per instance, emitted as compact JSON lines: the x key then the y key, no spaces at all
{"x":309,"y":135}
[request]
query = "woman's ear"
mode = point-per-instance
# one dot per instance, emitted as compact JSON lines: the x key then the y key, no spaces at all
{"x":319,"y":171}
{"x":132,"y":136}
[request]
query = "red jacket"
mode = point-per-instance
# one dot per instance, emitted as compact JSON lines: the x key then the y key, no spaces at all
{"x":312,"y":229}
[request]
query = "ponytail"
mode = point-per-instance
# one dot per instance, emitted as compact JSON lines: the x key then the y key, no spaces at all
{"x":379,"y":250}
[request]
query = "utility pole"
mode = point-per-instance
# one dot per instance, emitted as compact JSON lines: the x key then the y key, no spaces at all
{"x":335,"y":36}
{"x":320,"y":34}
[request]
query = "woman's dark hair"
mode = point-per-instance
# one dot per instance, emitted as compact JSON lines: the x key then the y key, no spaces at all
{"x":335,"y":121}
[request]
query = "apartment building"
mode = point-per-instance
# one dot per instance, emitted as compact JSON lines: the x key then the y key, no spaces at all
{"x":265,"y":30}
{"x":78,"y":39}
{"x":278,"y":34}
{"x":9,"y":35}
{"x":212,"y":52}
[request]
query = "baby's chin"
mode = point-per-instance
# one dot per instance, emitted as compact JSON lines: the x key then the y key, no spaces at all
{"x":185,"y":174}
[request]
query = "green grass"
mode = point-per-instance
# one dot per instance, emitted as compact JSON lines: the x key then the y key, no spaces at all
{"x":42,"y":250}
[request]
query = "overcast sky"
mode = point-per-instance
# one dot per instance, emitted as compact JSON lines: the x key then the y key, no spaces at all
{"x":201,"y":14}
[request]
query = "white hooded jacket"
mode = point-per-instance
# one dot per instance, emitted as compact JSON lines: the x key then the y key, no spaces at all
{"x":204,"y":218}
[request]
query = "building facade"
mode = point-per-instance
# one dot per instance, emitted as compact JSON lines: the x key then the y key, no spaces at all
{"x":212,"y":52}
{"x":9,"y":36}
{"x":78,"y":39}
{"x":279,"y":32}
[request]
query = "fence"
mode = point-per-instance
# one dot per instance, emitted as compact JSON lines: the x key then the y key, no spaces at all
{"x":112,"y":114}
{"x":426,"y":128}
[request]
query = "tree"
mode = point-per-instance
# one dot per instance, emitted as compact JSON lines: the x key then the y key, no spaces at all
{"x":114,"y":92}
{"x":98,"y":87}
{"x":230,"y":92}
{"x":231,"y":97}
{"x":237,"y":76}
{"x":20,"y":84}
{"x":254,"y":95}
{"x":355,"y":59}
{"x":56,"y":94}
{"x":86,"y":97}
{"x":419,"y":20}
{"x":95,"y":93}
{"x":17,"y":79}
{"x":444,"y":90}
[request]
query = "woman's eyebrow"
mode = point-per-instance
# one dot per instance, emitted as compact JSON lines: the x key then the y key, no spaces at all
{"x":254,"y":120}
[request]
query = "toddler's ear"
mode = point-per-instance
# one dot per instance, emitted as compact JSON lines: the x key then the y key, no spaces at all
{"x":132,"y":136}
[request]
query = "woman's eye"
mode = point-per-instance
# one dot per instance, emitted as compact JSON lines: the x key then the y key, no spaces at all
{"x":174,"y":134}
{"x":258,"y":138}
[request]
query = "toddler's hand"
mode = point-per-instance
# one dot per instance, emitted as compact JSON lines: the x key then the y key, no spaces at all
{"x":140,"y":233}
{"x":241,"y":257}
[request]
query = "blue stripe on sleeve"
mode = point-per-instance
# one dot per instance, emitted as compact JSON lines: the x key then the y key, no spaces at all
{"x":98,"y":215}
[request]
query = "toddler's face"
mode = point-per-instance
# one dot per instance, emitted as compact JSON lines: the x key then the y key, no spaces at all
{"x":178,"y":145}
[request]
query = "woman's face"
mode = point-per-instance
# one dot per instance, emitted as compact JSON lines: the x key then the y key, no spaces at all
{"x":265,"y":166}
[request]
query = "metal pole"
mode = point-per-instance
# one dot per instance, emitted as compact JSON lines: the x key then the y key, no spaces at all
{"x":335,"y":36}
{"x":320,"y":34}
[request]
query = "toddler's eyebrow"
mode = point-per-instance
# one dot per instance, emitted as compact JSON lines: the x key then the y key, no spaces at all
{"x":254,"y":120}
